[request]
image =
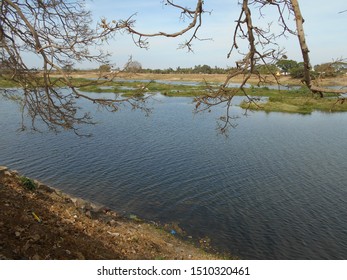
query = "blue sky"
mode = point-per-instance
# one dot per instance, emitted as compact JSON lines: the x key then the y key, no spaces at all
{"x":325,"y":29}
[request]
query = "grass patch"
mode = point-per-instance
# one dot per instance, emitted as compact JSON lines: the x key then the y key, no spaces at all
{"x":290,"y":101}
{"x":133,"y":88}
{"x":295,"y":104}
{"x":7,"y":83}
{"x":28,"y":183}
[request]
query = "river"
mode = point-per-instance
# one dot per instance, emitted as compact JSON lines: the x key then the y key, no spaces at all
{"x":276,"y":188}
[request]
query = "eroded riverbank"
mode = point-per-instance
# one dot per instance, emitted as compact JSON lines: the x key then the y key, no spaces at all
{"x":44,"y":223}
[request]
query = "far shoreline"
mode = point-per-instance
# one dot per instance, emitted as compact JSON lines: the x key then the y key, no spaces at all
{"x":216,"y":78}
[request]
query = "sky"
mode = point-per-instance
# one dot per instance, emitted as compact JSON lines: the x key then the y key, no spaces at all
{"x":325,"y":27}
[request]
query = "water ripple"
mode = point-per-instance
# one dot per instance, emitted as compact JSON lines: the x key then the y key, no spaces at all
{"x":276,"y":189}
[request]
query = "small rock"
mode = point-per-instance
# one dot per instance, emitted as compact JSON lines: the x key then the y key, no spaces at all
{"x":114,"y":233}
{"x":17,"y":233}
{"x":80,"y":256}
{"x":45,"y":188}
{"x":36,"y":257}
{"x":89,"y":214}
{"x":35,"y":237}
{"x":112,"y":223}
{"x":3,"y":169}
{"x":2,"y":257}
{"x":55,"y":196}
{"x":59,"y":192}
{"x":78,"y":202}
{"x":68,"y":221}
{"x":26,"y":246}
{"x":98,"y":207}
{"x":68,"y":252}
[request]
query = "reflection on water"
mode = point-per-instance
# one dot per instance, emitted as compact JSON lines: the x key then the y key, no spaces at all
{"x":275,"y":189}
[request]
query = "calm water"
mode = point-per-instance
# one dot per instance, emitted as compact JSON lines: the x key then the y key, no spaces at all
{"x":275,"y":189}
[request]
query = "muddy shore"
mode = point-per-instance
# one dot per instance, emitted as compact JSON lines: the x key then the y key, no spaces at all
{"x":38,"y":222}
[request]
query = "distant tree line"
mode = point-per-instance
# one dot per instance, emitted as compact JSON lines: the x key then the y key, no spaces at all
{"x":197,"y":69}
{"x":284,"y":67}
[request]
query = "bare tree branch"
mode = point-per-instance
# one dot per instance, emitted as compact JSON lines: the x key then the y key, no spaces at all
{"x":262,"y":50}
{"x":59,"y":34}
{"x":194,"y":15}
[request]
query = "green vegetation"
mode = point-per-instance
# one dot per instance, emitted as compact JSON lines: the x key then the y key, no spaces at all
{"x":331,"y":69}
{"x":129,"y":88}
{"x":140,"y":87}
{"x":291,"y":101}
{"x":10,"y":83}
{"x":283,"y":66}
{"x":304,"y":104}
{"x":5,"y":83}
{"x":105,"y":68}
{"x":197,"y":69}
{"x":27,"y":183}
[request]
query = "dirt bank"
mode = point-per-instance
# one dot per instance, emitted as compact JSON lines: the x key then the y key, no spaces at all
{"x":38,"y":222}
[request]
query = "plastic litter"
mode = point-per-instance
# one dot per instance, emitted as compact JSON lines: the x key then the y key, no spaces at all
{"x":36,"y":217}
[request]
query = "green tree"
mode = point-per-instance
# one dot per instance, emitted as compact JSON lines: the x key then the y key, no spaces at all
{"x":105,"y":68}
{"x":330,"y":69}
{"x":267,"y":69}
{"x":297,"y":72}
{"x":286,"y":65}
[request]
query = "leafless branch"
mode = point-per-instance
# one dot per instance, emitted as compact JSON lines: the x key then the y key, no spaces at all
{"x":59,"y":34}
{"x":195,"y":16}
{"x":263,"y":50}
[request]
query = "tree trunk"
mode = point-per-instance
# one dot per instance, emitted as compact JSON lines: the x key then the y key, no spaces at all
{"x":301,"y":36}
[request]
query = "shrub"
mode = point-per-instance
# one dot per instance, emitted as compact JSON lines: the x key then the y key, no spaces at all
{"x":27,"y":183}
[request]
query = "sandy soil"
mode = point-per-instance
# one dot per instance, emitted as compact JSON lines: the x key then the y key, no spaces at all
{"x":47,"y":224}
